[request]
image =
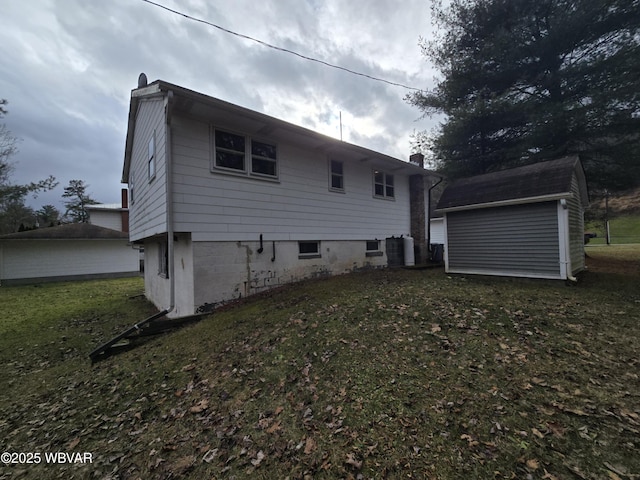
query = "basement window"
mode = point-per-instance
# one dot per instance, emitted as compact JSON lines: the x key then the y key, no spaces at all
{"x":373,"y":248}
{"x":309,"y":250}
{"x":383,"y":185}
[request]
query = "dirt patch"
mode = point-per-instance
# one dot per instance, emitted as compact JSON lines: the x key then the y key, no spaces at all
{"x":621,"y":260}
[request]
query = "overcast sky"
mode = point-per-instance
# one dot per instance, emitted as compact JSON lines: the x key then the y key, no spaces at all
{"x":68,"y":67}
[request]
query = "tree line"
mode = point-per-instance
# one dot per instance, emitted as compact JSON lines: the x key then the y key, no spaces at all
{"x":15,"y":215}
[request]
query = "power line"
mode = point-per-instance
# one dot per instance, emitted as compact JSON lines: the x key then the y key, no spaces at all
{"x":274,"y":47}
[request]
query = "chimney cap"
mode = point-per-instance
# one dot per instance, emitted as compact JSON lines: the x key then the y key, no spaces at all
{"x":142,"y":80}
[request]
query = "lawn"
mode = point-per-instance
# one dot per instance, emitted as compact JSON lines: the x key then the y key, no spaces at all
{"x":382,"y":374}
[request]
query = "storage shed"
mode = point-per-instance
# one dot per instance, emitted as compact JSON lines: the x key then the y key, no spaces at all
{"x":521,"y":222}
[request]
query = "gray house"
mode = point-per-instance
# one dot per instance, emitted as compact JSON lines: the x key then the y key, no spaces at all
{"x":522,"y":222}
{"x":229,"y":202}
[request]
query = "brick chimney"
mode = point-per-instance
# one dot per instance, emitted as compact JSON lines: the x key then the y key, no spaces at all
{"x":124,"y":213}
{"x":417,"y":211}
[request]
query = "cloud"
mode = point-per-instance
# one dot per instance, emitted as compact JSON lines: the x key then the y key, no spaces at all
{"x":69,"y":66}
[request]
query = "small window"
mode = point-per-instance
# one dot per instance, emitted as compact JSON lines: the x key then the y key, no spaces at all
{"x":163,"y":260}
{"x":383,"y":185}
{"x":373,"y":249}
{"x":229,"y":151}
{"x":373,"y":245}
{"x":263,"y":159}
{"x":309,"y":249}
{"x":336,"y":176}
{"x":151,"y":156}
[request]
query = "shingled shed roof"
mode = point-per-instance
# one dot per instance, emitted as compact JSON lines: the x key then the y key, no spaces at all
{"x":550,"y":180}
{"x":70,"y":231}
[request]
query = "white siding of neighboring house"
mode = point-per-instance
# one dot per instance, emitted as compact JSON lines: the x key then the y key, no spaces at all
{"x":46,"y":259}
{"x":106,"y":218}
{"x":300,"y":206}
{"x":437,"y":230}
{"x":147,"y":209}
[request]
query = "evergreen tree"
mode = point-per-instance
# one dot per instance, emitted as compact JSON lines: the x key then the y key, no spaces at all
{"x":79,"y":199}
{"x":528,"y":80}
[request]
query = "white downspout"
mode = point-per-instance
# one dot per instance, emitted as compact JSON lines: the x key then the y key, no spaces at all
{"x":566,"y":238}
{"x":168,"y":103}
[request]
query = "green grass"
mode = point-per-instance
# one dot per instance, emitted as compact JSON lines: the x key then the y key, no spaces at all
{"x":623,"y":229}
{"x":385,"y":374}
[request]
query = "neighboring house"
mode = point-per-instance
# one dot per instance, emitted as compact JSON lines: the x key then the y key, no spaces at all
{"x":229,"y":202}
{"x":523,"y":222}
{"x":111,"y":215}
{"x":66,"y":252}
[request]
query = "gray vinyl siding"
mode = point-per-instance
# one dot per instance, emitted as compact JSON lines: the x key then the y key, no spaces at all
{"x":216,"y":206}
{"x":576,"y":228}
{"x":520,"y":240}
{"x":147,"y":210}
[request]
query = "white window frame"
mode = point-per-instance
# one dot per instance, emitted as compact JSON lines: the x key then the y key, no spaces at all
{"x":385,"y":184}
{"x":151,"y":157}
{"x":248,"y":156}
{"x":373,"y":252}
{"x":305,"y":255}
{"x":338,"y":175}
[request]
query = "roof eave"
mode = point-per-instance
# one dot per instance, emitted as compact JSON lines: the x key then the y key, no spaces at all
{"x":159,"y":86}
{"x":506,"y":203}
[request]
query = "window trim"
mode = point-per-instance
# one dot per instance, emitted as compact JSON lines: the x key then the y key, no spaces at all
{"x":315,"y":254}
{"x":385,"y":185}
{"x":248,"y":158}
{"x":373,"y":252}
{"x":340,"y":175}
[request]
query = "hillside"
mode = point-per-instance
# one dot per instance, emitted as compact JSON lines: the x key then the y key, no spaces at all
{"x":625,"y":203}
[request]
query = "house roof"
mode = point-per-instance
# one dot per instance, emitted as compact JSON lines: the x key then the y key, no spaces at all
{"x":536,"y":182}
{"x":250,"y":122}
{"x":70,"y":231}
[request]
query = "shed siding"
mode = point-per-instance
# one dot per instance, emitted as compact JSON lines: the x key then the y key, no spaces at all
{"x":299,"y":206}
{"x":147,"y":210}
{"x":514,"y":240}
{"x":576,"y":228}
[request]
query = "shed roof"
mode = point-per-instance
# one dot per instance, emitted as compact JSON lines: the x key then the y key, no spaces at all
{"x":70,"y":231}
{"x":536,"y":182}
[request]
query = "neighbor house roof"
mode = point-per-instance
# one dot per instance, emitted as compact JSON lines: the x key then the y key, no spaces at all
{"x":70,"y":231}
{"x":550,"y":180}
{"x":218,"y":112}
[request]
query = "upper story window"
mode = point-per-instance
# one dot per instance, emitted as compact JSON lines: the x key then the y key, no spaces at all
{"x":151,"y":156}
{"x":383,"y":185}
{"x":241,"y":154}
{"x":230,"y":151}
{"x":336,"y":176}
